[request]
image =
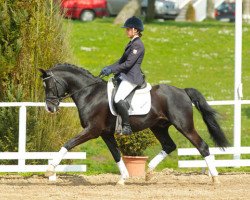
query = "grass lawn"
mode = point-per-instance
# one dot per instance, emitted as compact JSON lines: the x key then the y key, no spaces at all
{"x":199,"y":55}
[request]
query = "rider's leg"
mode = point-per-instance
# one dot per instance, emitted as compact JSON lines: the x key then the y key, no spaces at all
{"x":122,"y":109}
{"x":123,"y":91}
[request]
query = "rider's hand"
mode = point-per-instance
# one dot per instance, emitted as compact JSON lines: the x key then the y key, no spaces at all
{"x":106,"y":71}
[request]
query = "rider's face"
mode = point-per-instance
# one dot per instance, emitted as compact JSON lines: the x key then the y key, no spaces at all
{"x":131,"y":32}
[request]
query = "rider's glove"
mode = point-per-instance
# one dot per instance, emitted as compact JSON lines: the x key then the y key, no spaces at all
{"x":106,"y":71}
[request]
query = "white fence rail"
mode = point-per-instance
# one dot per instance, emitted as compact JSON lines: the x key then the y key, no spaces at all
{"x":22,"y":167}
{"x":214,"y":152}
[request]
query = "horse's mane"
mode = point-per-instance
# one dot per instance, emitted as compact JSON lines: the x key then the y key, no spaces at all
{"x":67,"y":66}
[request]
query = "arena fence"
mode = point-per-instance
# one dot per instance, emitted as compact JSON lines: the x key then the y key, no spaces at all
{"x":22,"y":155}
{"x":214,"y":152}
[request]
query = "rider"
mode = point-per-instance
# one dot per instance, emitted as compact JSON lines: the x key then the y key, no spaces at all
{"x":128,"y":69}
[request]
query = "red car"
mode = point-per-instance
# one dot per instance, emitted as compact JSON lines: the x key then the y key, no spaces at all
{"x":85,"y":10}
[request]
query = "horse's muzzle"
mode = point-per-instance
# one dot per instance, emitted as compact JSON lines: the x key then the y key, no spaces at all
{"x":51,"y":107}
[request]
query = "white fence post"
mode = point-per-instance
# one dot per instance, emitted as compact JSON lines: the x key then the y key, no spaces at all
{"x":237,"y":81}
{"x":22,"y":136}
{"x":53,"y":177}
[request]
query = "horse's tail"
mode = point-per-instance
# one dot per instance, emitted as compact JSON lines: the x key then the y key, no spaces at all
{"x":209,"y":117}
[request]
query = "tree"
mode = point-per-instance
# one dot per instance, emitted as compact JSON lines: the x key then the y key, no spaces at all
{"x":246,"y":10}
{"x":132,"y":8}
{"x":32,"y":35}
{"x":190,"y":14}
{"x":150,"y":11}
{"x":210,"y":9}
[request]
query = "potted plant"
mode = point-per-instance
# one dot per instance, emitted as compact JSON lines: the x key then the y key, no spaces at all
{"x":132,"y":148}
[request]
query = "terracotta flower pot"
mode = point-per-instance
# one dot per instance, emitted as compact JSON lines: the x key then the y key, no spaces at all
{"x":135,"y":165}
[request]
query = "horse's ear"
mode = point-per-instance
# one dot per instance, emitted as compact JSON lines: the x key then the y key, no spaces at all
{"x":44,"y":73}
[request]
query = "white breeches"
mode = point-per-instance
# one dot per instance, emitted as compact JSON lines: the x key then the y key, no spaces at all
{"x":124,"y":90}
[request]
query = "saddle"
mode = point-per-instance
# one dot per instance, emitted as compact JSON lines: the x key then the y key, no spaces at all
{"x":138,"y":101}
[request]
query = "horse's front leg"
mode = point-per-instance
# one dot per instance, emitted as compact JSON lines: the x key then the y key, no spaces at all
{"x":110,"y":141}
{"x":84,"y":136}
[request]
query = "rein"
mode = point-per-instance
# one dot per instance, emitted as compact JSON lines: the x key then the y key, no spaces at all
{"x":70,"y":95}
{"x":56,"y":96}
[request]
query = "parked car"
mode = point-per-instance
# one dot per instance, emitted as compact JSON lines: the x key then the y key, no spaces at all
{"x":115,"y":6}
{"x":165,"y":9}
{"x":85,"y":10}
{"x":225,"y":12}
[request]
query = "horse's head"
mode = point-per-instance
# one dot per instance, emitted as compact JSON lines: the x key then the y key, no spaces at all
{"x":55,"y":90}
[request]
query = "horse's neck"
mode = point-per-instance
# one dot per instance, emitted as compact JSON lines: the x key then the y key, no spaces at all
{"x":80,"y":87}
{"x":77,"y":81}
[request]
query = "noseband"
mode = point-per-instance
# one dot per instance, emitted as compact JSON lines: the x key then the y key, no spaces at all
{"x":56,"y":98}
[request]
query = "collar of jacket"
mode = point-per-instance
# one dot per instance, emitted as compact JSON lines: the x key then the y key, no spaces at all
{"x":134,"y":38}
{"x":131,"y":41}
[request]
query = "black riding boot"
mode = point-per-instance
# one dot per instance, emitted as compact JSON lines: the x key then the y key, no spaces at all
{"x":123,"y":112}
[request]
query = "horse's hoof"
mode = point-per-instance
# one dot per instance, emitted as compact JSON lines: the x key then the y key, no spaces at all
{"x":149,"y":175}
{"x":121,"y":182}
{"x":215,"y":180}
{"x":50,"y":171}
{"x":118,"y":134}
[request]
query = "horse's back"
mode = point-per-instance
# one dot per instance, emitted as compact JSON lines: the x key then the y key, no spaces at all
{"x":172,"y":101}
{"x":170,"y":94}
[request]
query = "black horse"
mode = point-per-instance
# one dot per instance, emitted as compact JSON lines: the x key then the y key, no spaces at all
{"x":170,"y":106}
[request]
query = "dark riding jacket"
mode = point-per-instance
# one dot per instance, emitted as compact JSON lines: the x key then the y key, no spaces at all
{"x":129,"y":65}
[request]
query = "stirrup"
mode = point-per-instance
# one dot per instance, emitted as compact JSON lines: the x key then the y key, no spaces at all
{"x":126,"y":130}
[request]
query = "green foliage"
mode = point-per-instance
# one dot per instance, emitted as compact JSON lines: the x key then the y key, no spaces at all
{"x":136,"y":143}
{"x":190,"y":14}
{"x":10,"y":43}
{"x":9,"y":121}
{"x":32,"y":35}
{"x":44,"y":43}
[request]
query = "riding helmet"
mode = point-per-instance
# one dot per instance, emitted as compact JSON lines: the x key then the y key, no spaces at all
{"x":134,"y":22}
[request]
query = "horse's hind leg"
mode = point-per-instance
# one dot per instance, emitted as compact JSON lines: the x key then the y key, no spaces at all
{"x":203,"y":148}
{"x":168,"y":145}
{"x":191,"y":134}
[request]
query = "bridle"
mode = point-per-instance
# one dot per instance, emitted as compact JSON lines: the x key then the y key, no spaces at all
{"x":55,"y":99}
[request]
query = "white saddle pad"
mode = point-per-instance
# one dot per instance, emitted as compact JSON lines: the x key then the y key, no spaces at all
{"x":140,"y":104}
